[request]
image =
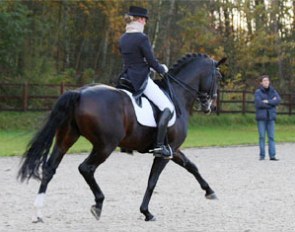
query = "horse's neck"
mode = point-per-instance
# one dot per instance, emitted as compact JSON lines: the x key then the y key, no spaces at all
{"x":184,"y":97}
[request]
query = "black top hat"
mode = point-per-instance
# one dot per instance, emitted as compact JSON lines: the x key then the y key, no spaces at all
{"x":138,"y":11}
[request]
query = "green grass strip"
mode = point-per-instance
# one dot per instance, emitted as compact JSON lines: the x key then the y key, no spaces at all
{"x":16,"y":130}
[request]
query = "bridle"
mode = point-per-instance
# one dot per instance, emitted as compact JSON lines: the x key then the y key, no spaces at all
{"x":196,"y":94}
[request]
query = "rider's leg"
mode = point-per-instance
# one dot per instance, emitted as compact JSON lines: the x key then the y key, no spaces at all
{"x":156,"y":95}
{"x":161,"y":149}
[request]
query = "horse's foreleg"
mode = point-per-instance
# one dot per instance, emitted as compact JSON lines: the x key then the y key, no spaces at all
{"x":87,"y":169}
{"x":158,"y":166}
{"x":184,"y":162}
{"x":64,"y":140}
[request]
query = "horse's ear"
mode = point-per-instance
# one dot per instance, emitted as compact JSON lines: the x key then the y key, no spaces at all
{"x":221,"y":61}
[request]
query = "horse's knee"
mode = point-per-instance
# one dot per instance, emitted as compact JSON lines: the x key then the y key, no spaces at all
{"x":85,"y":170}
{"x":82,"y":169}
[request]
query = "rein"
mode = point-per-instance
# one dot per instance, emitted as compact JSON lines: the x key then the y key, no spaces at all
{"x":190,"y":89}
{"x":194,"y":92}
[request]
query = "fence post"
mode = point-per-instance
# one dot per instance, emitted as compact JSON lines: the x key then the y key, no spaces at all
{"x":25,"y":96}
{"x":62,"y":88}
{"x":218,"y":106}
{"x":244,"y":102}
{"x":290,"y":104}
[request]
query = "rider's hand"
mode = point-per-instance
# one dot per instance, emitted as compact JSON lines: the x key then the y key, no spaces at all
{"x":265,"y":101}
{"x":165,"y":68}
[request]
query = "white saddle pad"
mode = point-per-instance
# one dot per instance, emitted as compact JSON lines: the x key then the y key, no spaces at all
{"x":144,"y":114}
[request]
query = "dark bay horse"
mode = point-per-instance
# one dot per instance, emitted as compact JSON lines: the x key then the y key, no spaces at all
{"x":105,"y":116}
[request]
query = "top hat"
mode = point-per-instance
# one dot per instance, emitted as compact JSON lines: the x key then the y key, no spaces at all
{"x":138,"y":11}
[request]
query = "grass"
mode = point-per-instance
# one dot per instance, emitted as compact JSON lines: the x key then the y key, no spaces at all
{"x":229,"y":130}
{"x":237,"y":135}
{"x":16,"y":130}
{"x":13,"y":143}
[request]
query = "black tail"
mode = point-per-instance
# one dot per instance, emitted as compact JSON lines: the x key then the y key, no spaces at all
{"x":39,"y":147}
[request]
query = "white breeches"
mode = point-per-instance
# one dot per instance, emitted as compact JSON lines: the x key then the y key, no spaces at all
{"x":156,"y":95}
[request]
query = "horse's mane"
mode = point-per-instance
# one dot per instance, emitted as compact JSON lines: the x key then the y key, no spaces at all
{"x":185,"y":60}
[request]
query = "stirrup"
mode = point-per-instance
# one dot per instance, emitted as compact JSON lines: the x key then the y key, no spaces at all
{"x":163,"y":151}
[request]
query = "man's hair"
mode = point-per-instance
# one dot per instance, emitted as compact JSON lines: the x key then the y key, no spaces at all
{"x":262,"y":77}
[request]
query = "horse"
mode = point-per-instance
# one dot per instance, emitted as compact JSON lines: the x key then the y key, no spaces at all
{"x":104,"y":115}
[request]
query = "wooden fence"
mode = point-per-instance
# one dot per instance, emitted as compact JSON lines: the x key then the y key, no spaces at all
{"x":234,"y":101}
{"x":37,"y":97}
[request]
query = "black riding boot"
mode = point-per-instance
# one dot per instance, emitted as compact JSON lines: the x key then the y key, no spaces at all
{"x":162,"y":150}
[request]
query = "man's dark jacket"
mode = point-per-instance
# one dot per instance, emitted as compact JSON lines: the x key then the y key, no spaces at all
{"x":138,"y":57}
{"x":266,"y":111}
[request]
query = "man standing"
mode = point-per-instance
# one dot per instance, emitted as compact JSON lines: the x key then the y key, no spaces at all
{"x":266,"y":100}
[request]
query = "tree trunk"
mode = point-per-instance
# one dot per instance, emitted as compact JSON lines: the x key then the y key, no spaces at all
{"x":226,"y":19}
{"x":78,"y":56}
{"x":66,"y":58}
{"x":168,"y":34}
{"x":155,"y":37}
{"x":260,"y":17}
{"x":276,"y":31}
{"x":105,"y":48}
{"x":57,"y":60}
{"x":249,"y":19}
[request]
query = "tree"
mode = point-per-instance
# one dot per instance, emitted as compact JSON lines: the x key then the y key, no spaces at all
{"x":13,"y":31}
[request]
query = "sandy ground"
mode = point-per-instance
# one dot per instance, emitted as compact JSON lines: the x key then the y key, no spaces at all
{"x":253,"y":195}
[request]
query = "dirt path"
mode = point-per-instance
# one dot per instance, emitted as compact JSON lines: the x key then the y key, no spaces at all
{"x":253,"y":195}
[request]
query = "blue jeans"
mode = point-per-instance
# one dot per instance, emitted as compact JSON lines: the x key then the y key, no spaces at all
{"x":269,"y":127}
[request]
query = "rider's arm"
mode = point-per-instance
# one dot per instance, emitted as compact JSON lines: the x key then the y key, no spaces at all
{"x":148,"y":53}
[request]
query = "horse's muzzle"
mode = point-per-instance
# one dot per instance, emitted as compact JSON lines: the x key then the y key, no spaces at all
{"x":209,"y":106}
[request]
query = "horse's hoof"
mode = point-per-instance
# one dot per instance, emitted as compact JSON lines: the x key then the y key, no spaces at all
{"x":37,"y":220}
{"x":150,"y":218}
{"x":96,"y":212}
{"x":211,"y":196}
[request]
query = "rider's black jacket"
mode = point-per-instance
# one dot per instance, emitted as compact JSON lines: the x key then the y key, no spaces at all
{"x":138,"y":57}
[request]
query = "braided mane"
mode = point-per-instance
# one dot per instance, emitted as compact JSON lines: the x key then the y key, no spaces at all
{"x":185,"y":60}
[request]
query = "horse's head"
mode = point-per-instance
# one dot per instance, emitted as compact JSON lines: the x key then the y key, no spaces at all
{"x":208,"y":87}
{"x":198,"y":75}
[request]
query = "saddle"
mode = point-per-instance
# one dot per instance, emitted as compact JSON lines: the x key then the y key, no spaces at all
{"x":124,"y":83}
{"x":145,"y":110}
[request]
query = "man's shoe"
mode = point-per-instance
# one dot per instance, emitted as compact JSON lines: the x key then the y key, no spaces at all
{"x":261,"y":158}
{"x":163,"y":152}
{"x":274,"y":159}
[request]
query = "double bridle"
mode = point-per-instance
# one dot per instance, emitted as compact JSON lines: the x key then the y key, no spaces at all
{"x":197,"y":95}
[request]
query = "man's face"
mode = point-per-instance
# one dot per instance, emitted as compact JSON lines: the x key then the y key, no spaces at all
{"x":265,"y":82}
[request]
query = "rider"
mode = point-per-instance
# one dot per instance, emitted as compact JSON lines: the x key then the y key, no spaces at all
{"x":138,"y":57}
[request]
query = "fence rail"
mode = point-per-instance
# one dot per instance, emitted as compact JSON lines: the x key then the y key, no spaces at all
{"x":37,"y":97}
{"x":234,"y":101}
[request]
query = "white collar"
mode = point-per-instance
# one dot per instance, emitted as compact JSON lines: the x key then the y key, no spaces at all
{"x":134,"y":27}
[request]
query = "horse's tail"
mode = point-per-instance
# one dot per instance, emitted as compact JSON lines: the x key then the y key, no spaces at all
{"x":39,"y":147}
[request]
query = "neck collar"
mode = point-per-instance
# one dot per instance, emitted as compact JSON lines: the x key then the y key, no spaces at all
{"x":134,"y":27}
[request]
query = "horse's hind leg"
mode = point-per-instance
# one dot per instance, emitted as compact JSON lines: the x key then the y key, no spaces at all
{"x":184,"y":162}
{"x":65,"y":138}
{"x":87,"y":169}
